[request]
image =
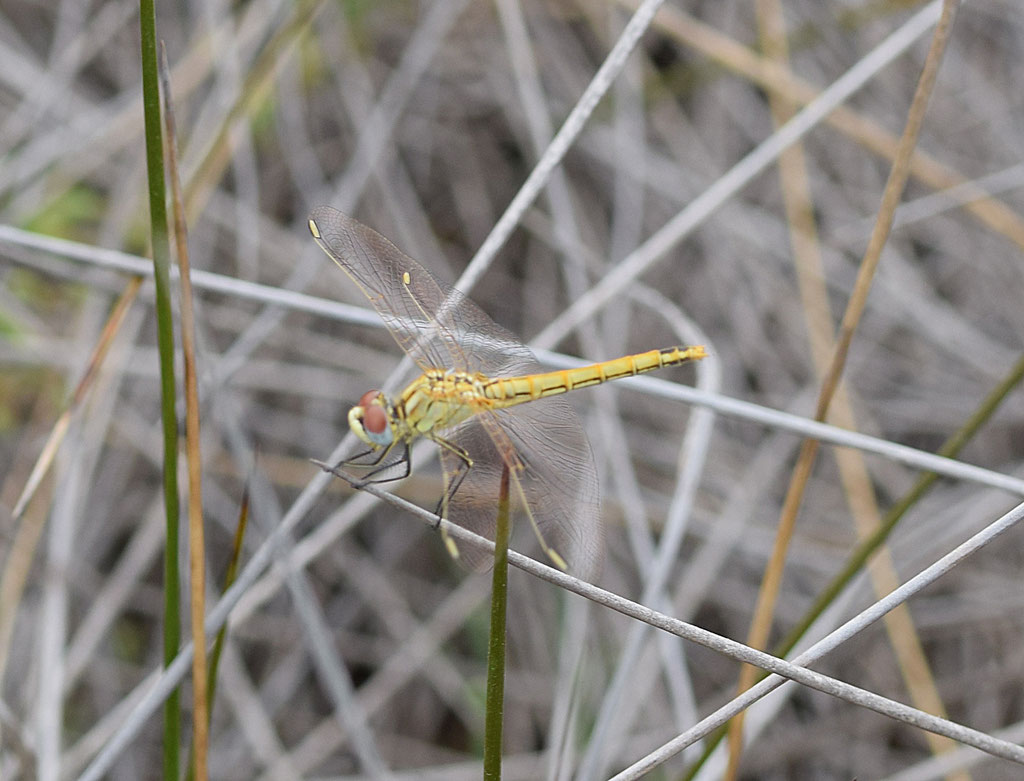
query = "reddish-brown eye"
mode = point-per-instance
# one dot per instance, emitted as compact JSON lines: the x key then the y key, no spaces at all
{"x":375,"y":420}
{"x":366,"y":398}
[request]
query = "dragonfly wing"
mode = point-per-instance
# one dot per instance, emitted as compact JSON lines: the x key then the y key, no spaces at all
{"x":436,"y":325}
{"x":553,"y":476}
{"x":556,"y":478}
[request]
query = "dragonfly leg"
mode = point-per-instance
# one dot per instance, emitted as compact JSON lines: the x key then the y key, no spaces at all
{"x":451,"y":485}
{"x":378,"y":465}
{"x":452,"y":482}
{"x":552,"y":554}
{"x":354,"y":461}
{"x":357,"y":459}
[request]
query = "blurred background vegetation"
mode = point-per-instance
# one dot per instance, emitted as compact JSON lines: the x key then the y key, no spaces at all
{"x":423,"y":120}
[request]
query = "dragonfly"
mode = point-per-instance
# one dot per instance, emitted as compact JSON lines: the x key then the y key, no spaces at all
{"x":472,"y":398}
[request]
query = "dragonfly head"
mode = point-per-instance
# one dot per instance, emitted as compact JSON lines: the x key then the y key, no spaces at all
{"x":370,"y":420}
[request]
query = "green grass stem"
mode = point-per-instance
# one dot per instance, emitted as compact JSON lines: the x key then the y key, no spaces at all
{"x":165,"y":344}
{"x":495,"y":701}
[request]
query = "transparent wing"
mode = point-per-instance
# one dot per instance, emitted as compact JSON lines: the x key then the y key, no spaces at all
{"x":558,"y":480}
{"x":436,"y":325}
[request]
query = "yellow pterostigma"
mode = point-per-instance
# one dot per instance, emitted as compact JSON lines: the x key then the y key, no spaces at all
{"x":470,"y":399}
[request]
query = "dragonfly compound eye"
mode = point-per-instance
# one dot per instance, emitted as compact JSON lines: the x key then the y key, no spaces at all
{"x":375,"y":420}
{"x":370,"y":422}
{"x":367,"y":398}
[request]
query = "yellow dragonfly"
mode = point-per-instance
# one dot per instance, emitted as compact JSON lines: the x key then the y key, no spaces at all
{"x":470,"y":400}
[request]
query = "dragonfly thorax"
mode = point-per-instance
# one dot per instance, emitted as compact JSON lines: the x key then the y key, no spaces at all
{"x":370,"y":420}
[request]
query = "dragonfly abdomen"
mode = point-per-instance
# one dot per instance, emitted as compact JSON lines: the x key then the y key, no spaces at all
{"x":508,"y":391}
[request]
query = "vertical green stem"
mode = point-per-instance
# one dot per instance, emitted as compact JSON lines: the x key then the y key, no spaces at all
{"x":165,"y":343}
{"x":495,"y":702}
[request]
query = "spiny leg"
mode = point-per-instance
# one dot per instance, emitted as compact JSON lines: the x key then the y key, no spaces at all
{"x":552,"y":554}
{"x":376,"y":466}
{"x":335,"y":468}
{"x":356,"y":460}
{"x":466,"y":463}
{"x":451,"y":485}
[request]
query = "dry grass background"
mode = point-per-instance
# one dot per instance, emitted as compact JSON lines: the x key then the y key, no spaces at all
{"x":360,"y":652}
